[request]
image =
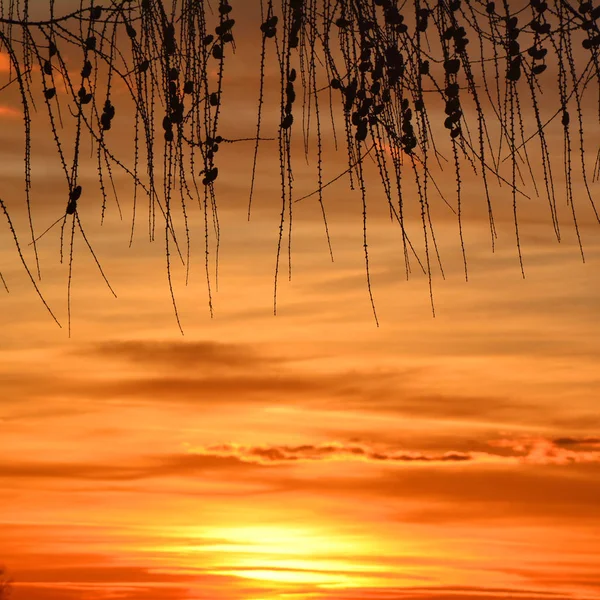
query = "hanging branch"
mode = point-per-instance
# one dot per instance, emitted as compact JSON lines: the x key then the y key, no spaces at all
{"x":388,"y":70}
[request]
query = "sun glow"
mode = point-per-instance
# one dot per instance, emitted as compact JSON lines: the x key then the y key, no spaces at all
{"x":291,"y":576}
{"x":282,"y":540}
{"x":290,"y":555}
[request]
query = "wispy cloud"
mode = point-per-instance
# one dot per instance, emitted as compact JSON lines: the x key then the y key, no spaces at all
{"x":8,"y":111}
{"x":222,"y":459}
{"x":4,"y":62}
{"x":130,"y":583}
{"x":581,"y":442}
{"x":174,"y":465}
{"x":543,"y":451}
{"x":444,"y":593}
{"x":508,"y":451}
{"x":181,"y":355}
{"x":330,"y":451}
{"x":201,"y":372}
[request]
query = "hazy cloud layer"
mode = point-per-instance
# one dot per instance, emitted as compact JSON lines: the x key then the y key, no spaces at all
{"x":208,"y":375}
{"x":227,"y":458}
{"x":523,"y":450}
{"x":166,"y":355}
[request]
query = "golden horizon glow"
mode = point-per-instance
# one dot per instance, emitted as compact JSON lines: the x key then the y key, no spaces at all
{"x":312,"y":455}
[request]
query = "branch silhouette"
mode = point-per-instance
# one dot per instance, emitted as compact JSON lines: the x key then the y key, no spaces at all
{"x":416,"y":86}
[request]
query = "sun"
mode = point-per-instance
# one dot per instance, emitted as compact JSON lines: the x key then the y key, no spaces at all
{"x":300,"y":558}
{"x":295,"y":555}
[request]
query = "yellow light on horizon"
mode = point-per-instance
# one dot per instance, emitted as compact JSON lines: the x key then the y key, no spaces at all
{"x":287,"y":576}
{"x":297,"y":555}
{"x":287,"y":540}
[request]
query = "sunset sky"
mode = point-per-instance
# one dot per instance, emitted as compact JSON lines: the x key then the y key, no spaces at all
{"x":312,"y":454}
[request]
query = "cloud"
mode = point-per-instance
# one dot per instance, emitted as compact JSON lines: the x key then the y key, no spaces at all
{"x":544,"y":451}
{"x":104,"y":582}
{"x":181,"y":355}
{"x":99,"y":574}
{"x":235,"y":589}
{"x":507,"y":451}
{"x":442,"y":593}
{"x":211,"y":375}
{"x":220,"y":460}
{"x":570,"y":441}
{"x":168,"y":373}
{"x":559,"y":574}
{"x":9,"y":111}
{"x":4,"y":62}
{"x":268,"y":455}
{"x":174,"y":465}
{"x":211,"y":392}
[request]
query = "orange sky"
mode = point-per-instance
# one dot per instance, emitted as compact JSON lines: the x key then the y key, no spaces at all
{"x":310,"y":455}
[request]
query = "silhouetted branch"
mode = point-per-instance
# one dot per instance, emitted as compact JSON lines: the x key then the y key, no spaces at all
{"x":390,"y":69}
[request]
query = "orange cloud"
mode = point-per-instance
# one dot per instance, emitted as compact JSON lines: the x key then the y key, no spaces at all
{"x":4,"y":62}
{"x":255,"y":462}
{"x":330,"y":451}
{"x":543,"y":451}
{"x":10,"y":112}
{"x":177,"y":355}
{"x":530,"y":450}
{"x":192,"y":372}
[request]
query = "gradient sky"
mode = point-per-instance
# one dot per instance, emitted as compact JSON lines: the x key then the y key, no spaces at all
{"x":311,"y":454}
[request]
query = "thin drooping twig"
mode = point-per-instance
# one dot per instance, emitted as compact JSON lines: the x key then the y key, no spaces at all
{"x":4,"y":283}
{"x":24,"y":262}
